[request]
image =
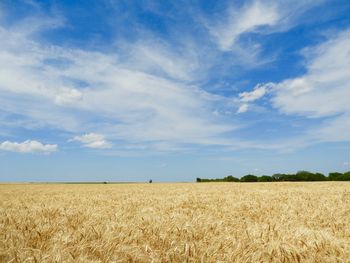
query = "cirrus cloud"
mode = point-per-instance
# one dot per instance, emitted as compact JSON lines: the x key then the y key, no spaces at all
{"x":246,"y":19}
{"x":149,"y":103}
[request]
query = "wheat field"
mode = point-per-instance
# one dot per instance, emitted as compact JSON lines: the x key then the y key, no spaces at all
{"x":187,"y":222}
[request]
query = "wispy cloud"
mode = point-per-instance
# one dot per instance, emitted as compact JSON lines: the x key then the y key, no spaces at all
{"x":157,"y":59}
{"x":147,"y":93}
{"x":231,"y":31}
{"x":133,"y":104}
{"x":324,"y":90}
{"x":242,"y":20}
{"x":321,"y":93}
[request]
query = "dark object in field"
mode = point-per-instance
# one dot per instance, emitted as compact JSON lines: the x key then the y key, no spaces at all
{"x":104,"y":182}
{"x":150,"y":181}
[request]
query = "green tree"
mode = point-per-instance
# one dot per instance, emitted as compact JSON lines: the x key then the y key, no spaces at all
{"x":308,"y":176}
{"x":265,"y":178}
{"x":249,"y":178}
{"x":335,"y":176}
{"x":345,"y":177}
{"x":278,"y":177}
{"x":230,"y":178}
{"x":319,"y":177}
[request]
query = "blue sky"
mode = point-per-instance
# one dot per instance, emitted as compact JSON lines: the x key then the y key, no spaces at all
{"x":173,"y":90}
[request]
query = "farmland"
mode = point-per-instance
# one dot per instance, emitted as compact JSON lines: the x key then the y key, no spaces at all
{"x":182,"y":222}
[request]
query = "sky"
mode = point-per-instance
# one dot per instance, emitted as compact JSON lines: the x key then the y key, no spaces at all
{"x":117,"y":90}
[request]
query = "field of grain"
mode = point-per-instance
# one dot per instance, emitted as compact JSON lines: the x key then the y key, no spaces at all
{"x":214,"y":222}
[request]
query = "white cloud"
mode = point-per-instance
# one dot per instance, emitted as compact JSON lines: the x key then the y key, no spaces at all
{"x":68,"y":96}
{"x":259,"y":17}
{"x":93,"y":140}
{"x":151,"y":102}
{"x":28,"y":146}
{"x":258,"y":92}
{"x":322,"y":93}
{"x":243,"y":108}
{"x":154,"y":58}
{"x":246,"y":19}
{"x":324,"y":90}
{"x":139,"y":95}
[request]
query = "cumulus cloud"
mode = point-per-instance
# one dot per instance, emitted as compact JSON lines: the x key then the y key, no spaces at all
{"x":28,"y":146}
{"x":93,"y":140}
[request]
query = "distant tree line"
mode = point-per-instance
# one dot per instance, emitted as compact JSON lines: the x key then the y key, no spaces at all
{"x":301,"y":176}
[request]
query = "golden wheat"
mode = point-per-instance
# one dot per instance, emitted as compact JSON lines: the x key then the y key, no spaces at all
{"x":215,"y":222}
